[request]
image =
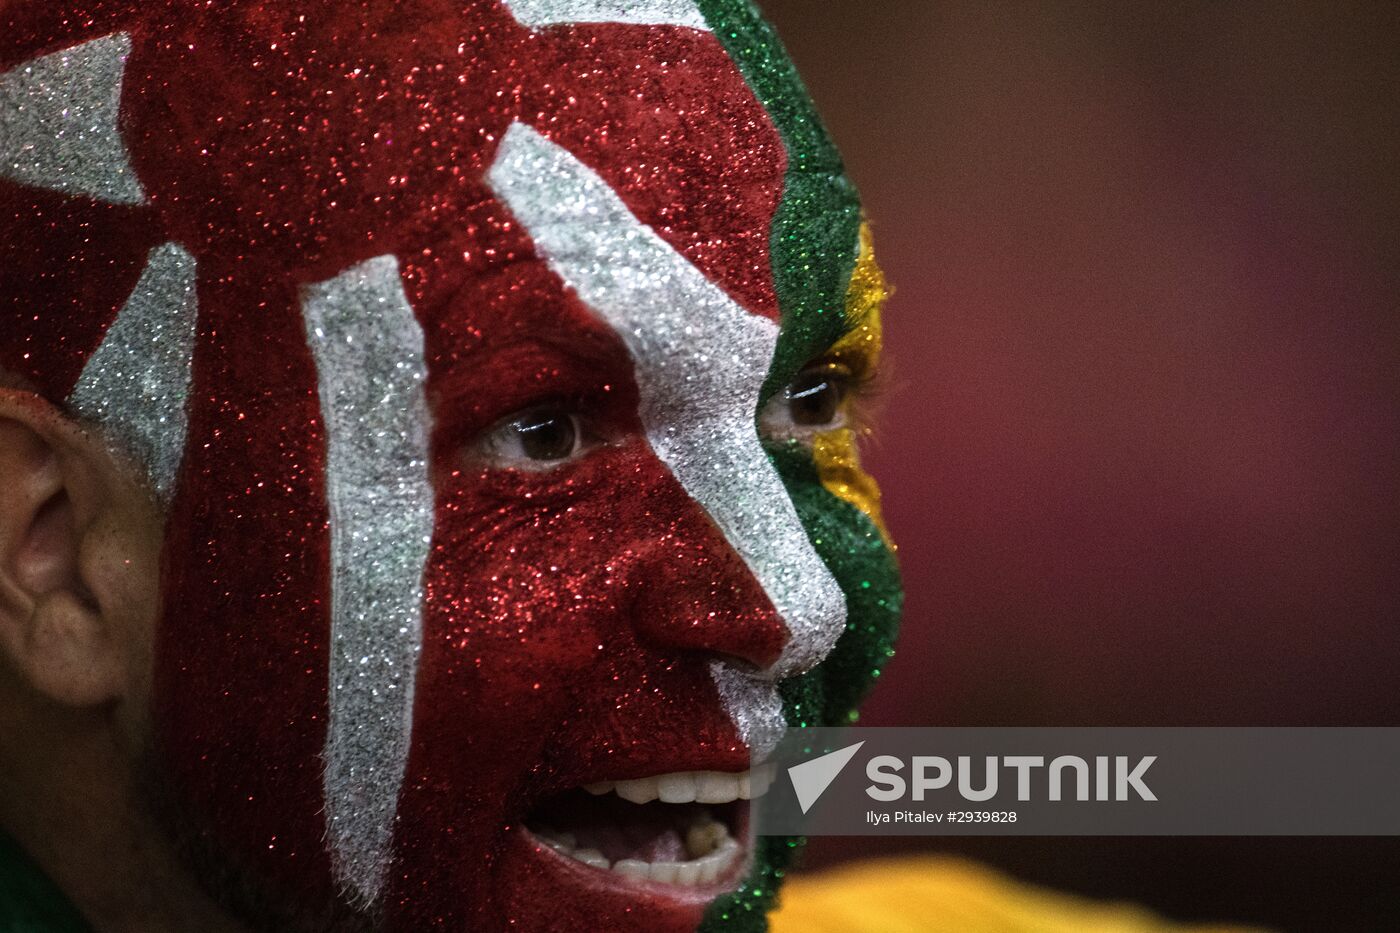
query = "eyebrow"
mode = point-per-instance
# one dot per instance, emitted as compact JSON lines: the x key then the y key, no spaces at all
{"x":525,"y":368}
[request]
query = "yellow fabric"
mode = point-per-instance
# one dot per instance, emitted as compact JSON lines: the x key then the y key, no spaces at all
{"x":838,"y":463}
{"x":935,"y":894}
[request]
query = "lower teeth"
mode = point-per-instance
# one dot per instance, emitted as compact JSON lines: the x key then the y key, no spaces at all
{"x":711,"y":849}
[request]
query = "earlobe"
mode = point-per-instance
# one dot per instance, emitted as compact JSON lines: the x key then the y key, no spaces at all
{"x":53,"y":631}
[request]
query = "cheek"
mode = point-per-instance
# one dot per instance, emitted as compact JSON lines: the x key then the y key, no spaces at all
{"x":242,"y":649}
{"x":571,"y":601}
{"x":569,"y":633}
{"x":838,"y":467}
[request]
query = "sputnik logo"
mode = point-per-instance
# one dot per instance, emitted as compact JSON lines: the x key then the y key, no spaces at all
{"x":811,"y":778}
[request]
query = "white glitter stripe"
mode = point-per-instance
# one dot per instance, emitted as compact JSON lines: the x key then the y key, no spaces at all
{"x":641,"y":12}
{"x":700,"y":361}
{"x":754,"y":705}
{"x":58,"y":122}
{"x":137,"y":382}
{"x":370,"y":372}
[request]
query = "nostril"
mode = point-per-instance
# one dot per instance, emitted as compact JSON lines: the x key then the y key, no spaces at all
{"x":743,"y":667}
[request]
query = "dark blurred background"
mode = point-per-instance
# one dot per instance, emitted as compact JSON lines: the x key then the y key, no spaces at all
{"x":1142,"y":444}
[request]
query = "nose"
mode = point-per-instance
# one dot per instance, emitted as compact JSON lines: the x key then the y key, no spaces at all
{"x":694,"y":593}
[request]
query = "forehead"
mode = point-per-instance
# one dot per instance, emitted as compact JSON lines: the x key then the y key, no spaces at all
{"x":337,"y":144}
{"x":338,"y":136}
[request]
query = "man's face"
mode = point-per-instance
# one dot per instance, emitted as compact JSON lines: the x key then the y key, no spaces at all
{"x":518,"y":513}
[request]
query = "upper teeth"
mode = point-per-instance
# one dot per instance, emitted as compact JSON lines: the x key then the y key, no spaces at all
{"x":691,"y":786}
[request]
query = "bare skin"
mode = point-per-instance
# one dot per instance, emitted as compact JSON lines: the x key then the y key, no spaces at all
{"x":80,"y":539}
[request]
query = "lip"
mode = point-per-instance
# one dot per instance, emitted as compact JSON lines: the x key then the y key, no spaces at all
{"x":645,"y":760}
{"x":534,"y":856}
{"x":615,"y":888}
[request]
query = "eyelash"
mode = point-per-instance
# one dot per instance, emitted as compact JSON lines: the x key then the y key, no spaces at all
{"x":779,"y":420}
{"x":862,"y":387}
{"x":865,"y":395}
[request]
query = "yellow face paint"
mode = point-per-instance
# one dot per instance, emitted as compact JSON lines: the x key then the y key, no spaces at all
{"x":837,"y":457}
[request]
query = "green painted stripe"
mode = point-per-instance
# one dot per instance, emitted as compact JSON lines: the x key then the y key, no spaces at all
{"x":850,"y":544}
{"x":866,"y":569}
{"x":816,"y":233}
{"x":815,"y":243}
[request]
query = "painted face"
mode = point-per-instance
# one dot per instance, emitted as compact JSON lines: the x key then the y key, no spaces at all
{"x":493,"y":359}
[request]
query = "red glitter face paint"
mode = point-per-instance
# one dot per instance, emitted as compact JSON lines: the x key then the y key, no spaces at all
{"x":396,"y":672}
{"x":502,"y":557}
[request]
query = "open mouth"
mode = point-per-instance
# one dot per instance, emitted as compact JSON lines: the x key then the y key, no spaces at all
{"x":686,"y":829}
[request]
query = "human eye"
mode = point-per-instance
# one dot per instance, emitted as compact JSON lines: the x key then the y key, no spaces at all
{"x":540,"y":438}
{"x":817,"y":400}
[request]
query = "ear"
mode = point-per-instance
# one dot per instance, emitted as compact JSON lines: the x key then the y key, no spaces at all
{"x":56,"y":484}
